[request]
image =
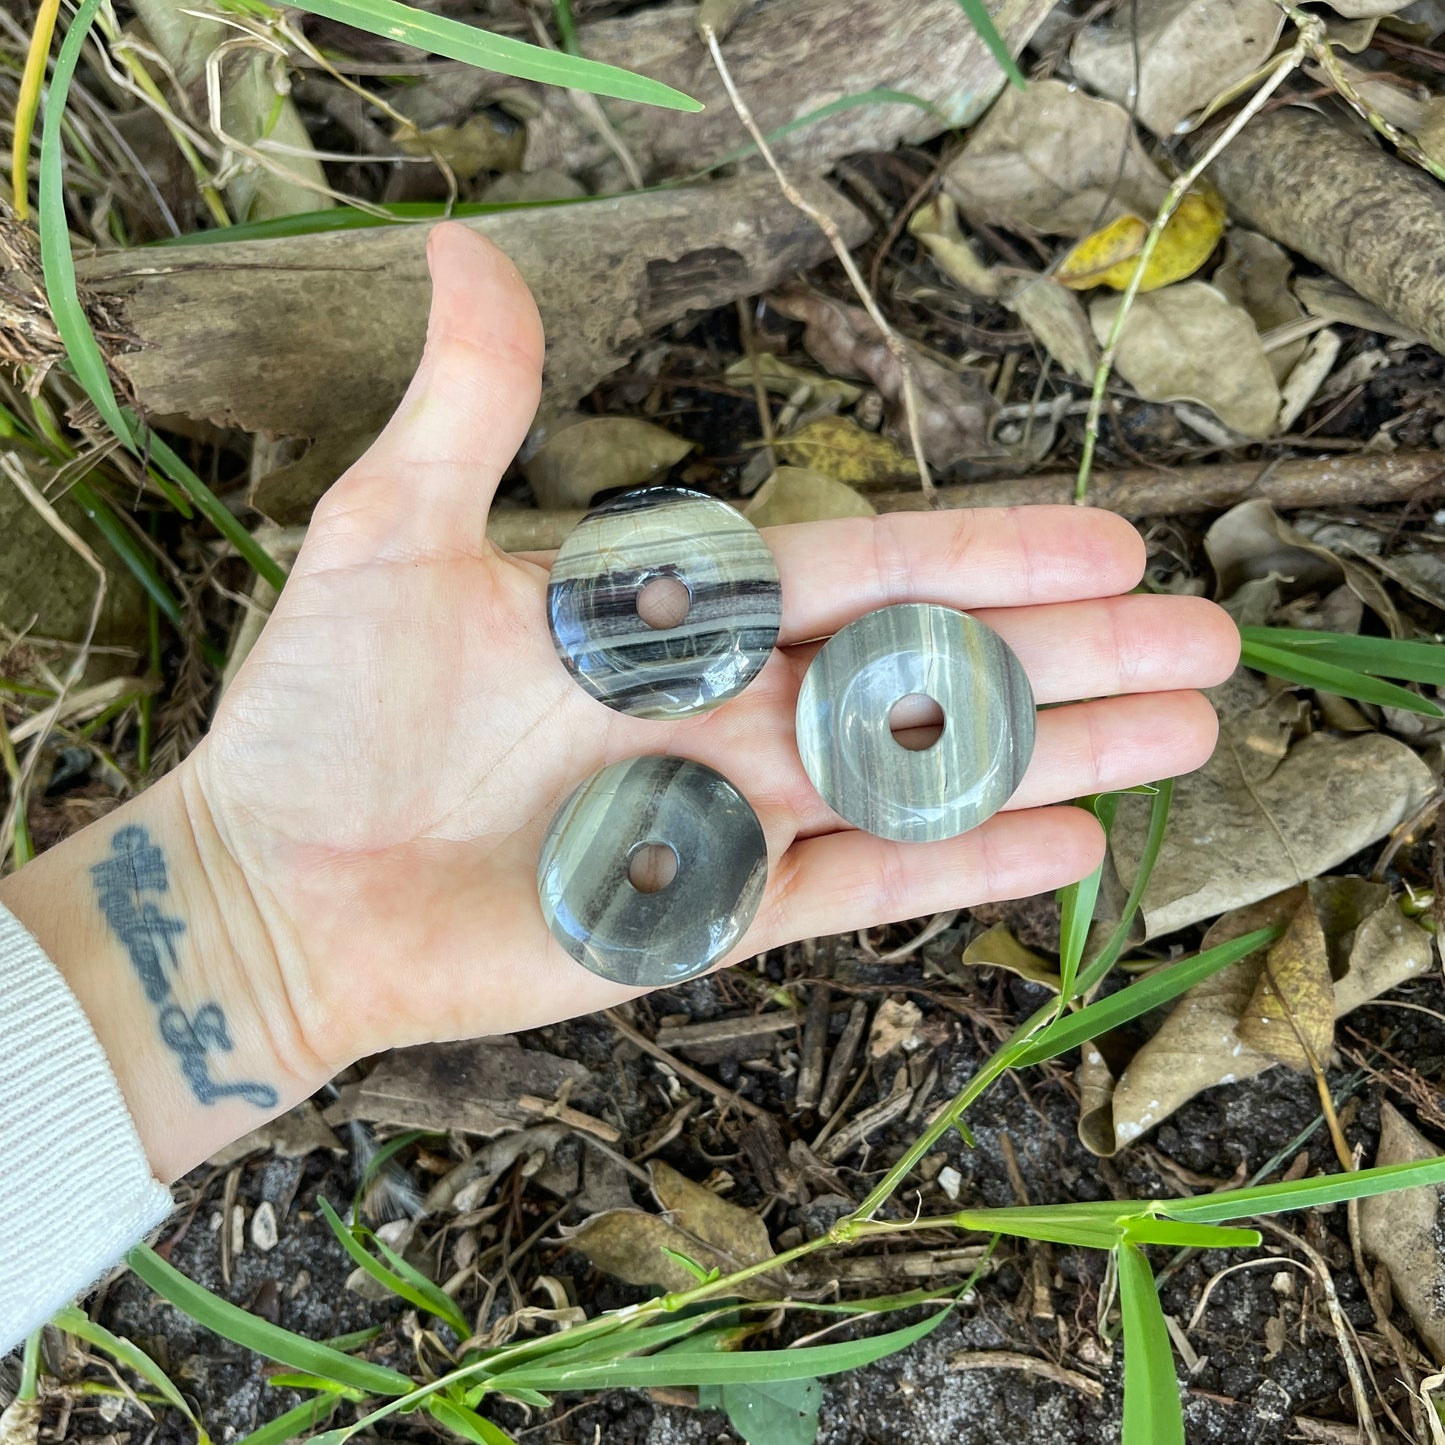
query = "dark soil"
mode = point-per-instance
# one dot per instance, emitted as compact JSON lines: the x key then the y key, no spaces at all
{"x":1266,"y":1351}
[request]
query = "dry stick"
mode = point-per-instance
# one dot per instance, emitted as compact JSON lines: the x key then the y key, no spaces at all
{"x":686,"y":1071}
{"x":1322,"y":1088}
{"x":1381,"y":1311}
{"x":897,"y":347}
{"x":1367,"y":479}
{"x":1325,"y":57}
{"x":760,"y":391}
{"x":1182,"y":183}
{"x":1365,"y":1416}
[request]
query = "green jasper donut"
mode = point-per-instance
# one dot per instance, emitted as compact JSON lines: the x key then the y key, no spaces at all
{"x":864,"y":774}
{"x":652,"y":939}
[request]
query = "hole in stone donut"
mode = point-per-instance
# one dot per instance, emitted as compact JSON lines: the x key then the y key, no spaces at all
{"x":916,"y":722}
{"x":663,"y":602}
{"x":652,"y":866}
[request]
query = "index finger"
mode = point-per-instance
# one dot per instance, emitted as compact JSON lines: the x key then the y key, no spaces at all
{"x":835,"y":571}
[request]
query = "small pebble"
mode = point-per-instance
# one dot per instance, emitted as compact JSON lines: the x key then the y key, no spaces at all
{"x":950,"y":1181}
{"x":263,"y":1226}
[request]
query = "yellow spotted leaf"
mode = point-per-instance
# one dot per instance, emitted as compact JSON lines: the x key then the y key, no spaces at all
{"x":1109,"y":256}
{"x":841,"y":449}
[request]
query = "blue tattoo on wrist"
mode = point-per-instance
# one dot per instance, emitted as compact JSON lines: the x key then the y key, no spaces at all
{"x":137,"y":867}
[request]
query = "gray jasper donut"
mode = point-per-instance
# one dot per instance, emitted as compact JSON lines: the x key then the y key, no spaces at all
{"x":682,"y":929}
{"x":733,"y":615}
{"x":861,"y":770}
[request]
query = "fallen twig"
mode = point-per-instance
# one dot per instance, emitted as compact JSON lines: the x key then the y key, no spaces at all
{"x":825,"y":223}
{"x":1365,"y":480}
{"x":1182,"y":183}
{"x":719,"y":1091}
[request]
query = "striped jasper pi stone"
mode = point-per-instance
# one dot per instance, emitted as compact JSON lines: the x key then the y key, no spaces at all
{"x":733,"y":615}
{"x":861,"y":770}
{"x":650,"y":940}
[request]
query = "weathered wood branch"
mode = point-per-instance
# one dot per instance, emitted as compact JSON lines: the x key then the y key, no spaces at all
{"x":1339,"y":481}
{"x":789,"y":58}
{"x":313,"y":338}
{"x":1335,"y":195}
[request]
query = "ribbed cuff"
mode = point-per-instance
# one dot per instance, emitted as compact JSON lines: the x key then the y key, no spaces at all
{"x":77,"y":1189}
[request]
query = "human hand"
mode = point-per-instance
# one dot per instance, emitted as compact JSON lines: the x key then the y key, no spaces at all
{"x":369,"y":805}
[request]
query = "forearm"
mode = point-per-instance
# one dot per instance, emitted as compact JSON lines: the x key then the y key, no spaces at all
{"x":152,"y":926}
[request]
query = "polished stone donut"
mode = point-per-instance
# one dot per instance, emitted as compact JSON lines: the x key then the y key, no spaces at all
{"x":734,"y":609}
{"x":861,"y":770}
{"x":681,"y":930}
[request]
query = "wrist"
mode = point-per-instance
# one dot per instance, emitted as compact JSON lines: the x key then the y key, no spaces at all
{"x":151,"y":922}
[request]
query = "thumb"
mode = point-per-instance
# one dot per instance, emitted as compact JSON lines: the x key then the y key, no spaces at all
{"x":429,"y":478}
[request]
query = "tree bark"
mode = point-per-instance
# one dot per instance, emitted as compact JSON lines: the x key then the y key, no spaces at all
{"x":313,"y":338}
{"x":1335,"y":195}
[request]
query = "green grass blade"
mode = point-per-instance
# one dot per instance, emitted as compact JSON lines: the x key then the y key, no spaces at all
{"x":295,"y":1423}
{"x":1159,"y":806}
{"x":457,"y":41}
{"x":466,"y":1423}
{"x":355,"y":1339}
{"x":78,"y":1323}
{"x":259,"y":1335}
{"x":1080,"y":1225}
{"x":216,"y":512}
{"x":56,"y":261}
{"x":1148,"y":993}
{"x":1180,"y":1235}
{"x":1076,"y":907}
{"x":430,"y":1300}
{"x":681,"y":1369}
{"x":127,"y":549}
{"x":1379,"y":656}
{"x":1152,"y":1413}
{"x":982,"y":22}
{"x":300,"y":1380}
{"x":1306,"y":1193}
{"x":1331,"y":677}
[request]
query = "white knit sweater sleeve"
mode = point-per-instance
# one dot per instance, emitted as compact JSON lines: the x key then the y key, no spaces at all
{"x":76,"y":1190}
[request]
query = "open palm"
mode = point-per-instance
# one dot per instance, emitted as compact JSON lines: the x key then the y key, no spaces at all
{"x":385,"y":764}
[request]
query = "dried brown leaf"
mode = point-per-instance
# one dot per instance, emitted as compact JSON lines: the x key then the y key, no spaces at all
{"x":736,"y":1233}
{"x":935,"y":225}
{"x":1291,"y":1015}
{"x":1255,"y":274}
{"x":1261,"y":815}
{"x":633,"y":1246}
{"x":1188,"y":52}
{"x":1054,"y":160}
{"x":795,"y":494}
{"x":782,"y":376}
{"x":599,"y":454}
{"x":1057,"y":319}
{"x":1191,"y":343}
{"x":955,"y":409}
{"x":1368,"y":945}
{"x":1252,"y":543}
{"x":1402,"y":1231}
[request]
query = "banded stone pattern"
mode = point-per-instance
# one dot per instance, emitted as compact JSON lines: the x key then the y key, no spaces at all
{"x":732,"y":619}
{"x":864,"y":774}
{"x":652,"y":939}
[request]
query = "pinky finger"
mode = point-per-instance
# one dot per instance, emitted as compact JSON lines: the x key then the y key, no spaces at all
{"x":844,"y":881}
